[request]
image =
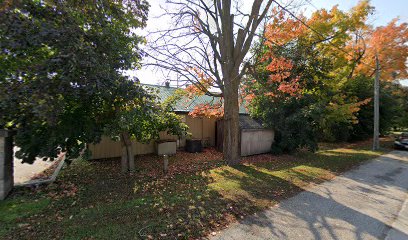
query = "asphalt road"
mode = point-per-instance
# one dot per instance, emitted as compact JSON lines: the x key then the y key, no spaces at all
{"x":369,"y":202}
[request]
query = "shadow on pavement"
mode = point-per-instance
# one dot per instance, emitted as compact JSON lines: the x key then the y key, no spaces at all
{"x":361,"y":204}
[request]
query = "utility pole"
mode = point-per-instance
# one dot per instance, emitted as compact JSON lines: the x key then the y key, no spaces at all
{"x":376,"y":141}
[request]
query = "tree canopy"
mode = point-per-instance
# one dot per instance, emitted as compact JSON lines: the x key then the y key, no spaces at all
{"x":312,"y":78}
{"x":61,"y":79}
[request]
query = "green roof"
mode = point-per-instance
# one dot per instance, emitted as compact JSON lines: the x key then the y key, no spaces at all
{"x":186,"y":104}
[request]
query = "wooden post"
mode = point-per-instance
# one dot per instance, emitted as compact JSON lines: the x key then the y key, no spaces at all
{"x":131,"y":158}
{"x":165,"y":163}
{"x":124,"y":159}
{"x":6,"y":163}
{"x":376,"y":141}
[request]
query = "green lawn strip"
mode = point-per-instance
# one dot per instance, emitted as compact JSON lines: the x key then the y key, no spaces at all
{"x":14,"y":210}
{"x":339,"y":160}
{"x":187,"y":205}
{"x":264,"y":184}
{"x":175,"y":212}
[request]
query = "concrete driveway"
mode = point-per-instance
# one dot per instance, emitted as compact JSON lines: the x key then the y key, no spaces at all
{"x":369,"y":202}
{"x":23,"y":172}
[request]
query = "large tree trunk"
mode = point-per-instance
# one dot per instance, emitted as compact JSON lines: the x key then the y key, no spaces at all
{"x":231,"y":150}
{"x":128,"y":160}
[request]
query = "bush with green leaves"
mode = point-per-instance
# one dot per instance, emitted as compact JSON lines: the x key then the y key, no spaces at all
{"x":61,"y":75}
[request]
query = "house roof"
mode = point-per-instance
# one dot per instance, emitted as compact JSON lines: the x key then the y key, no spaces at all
{"x":186,"y":104}
{"x":246,"y":122}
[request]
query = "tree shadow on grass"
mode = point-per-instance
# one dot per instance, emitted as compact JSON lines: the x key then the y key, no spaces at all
{"x":113,"y":205}
{"x":110,"y":206}
{"x":186,"y":207}
{"x":261,"y":185}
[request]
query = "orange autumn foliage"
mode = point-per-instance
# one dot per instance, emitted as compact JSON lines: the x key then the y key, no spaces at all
{"x":282,"y":29}
{"x":390,"y":43}
{"x":280,"y":76}
{"x":346,"y":39}
{"x":208,"y":110}
{"x":200,"y":88}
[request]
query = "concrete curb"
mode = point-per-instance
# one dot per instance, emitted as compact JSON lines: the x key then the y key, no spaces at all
{"x":44,"y":181}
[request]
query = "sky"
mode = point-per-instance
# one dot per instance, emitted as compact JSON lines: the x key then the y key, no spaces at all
{"x":385,"y":11}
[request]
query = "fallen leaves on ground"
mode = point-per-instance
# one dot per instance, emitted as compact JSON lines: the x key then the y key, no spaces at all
{"x":199,"y":195}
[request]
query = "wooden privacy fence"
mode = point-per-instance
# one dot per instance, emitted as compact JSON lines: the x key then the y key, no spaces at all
{"x":200,"y":128}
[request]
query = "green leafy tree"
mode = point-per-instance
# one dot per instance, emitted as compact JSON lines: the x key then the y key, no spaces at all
{"x":142,"y":119}
{"x":391,"y":107}
{"x":402,"y":120}
{"x":61,"y":81}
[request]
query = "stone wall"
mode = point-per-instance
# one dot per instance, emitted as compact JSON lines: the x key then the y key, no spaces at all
{"x":6,"y":163}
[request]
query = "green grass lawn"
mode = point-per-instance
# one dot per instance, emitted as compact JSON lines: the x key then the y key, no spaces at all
{"x":200,"y":194}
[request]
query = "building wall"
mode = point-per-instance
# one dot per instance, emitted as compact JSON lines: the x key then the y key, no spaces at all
{"x":252,"y":141}
{"x":256,"y":141}
{"x":200,"y":128}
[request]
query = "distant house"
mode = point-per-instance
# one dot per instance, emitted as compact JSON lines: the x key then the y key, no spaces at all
{"x":202,"y":128}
